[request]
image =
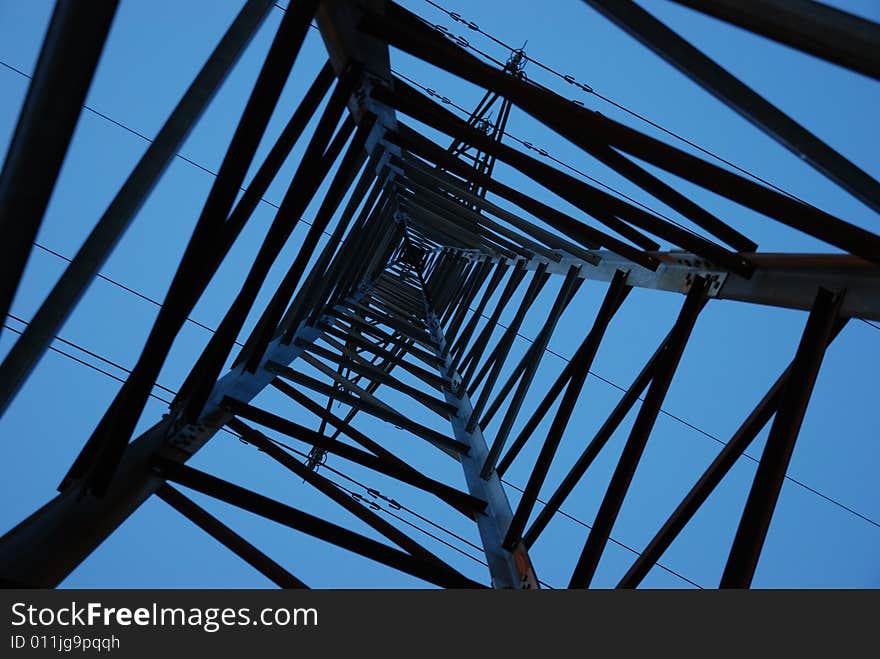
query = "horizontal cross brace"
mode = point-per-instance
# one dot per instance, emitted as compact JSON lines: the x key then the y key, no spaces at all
{"x":779,"y":280}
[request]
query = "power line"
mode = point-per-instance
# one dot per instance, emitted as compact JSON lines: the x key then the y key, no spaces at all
{"x":461,"y":41}
{"x":590,"y":90}
{"x":359,"y":497}
{"x":125,"y":288}
{"x":109,"y":362}
{"x":368,"y":489}
{"x":147,"y":139}
{"x":91,"y":366}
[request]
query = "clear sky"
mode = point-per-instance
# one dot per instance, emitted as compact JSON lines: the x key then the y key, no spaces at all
{"x":825,"y":532}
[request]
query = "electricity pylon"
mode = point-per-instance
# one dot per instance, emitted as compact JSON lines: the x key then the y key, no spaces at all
{"x":415,"y":258}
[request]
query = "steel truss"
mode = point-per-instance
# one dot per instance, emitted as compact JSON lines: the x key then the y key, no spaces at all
{"x":414,"y":259}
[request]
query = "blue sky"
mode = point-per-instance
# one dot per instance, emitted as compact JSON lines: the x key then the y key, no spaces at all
{"x":736,"y":352}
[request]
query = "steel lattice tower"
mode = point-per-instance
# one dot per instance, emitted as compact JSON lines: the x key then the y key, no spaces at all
{"x":414,"y":259}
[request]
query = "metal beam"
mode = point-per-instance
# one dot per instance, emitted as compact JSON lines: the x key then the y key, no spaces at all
{"x":91,"y":256}
{"x":614,"y":297}
{"x":715,"y":472}
{"x":311,"y":525}
{"x":577,"y":231}
{"x":498,"y":355}
{"x":526,"y":371}
{"x":510,"y":569}
{"x":43,"y":549}
{"x":812,"y":27}
{"x":638,"y":438}
{"x":334,"y":492}
{"x":98,"y":460}
{"x":451,"y":447}
{"x":234,"y":542}
{"x":755,"y":521}
{"x":73,"y":43}
{"x":471,"y":359}
{"x":460,"y":343}
{"x":782,"y":18}
{"x":610,"y":425}
{"x":389,"y":466}
{"x":791,"y":280}
{"x":779,"y":280}
{"x":617,"y":214}
{"x":349,"y":166}
{"x":314,"y":166}
{"x":363,"y":368}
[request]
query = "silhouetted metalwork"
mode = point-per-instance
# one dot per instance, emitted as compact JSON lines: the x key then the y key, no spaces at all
{"x":416,"y":258}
